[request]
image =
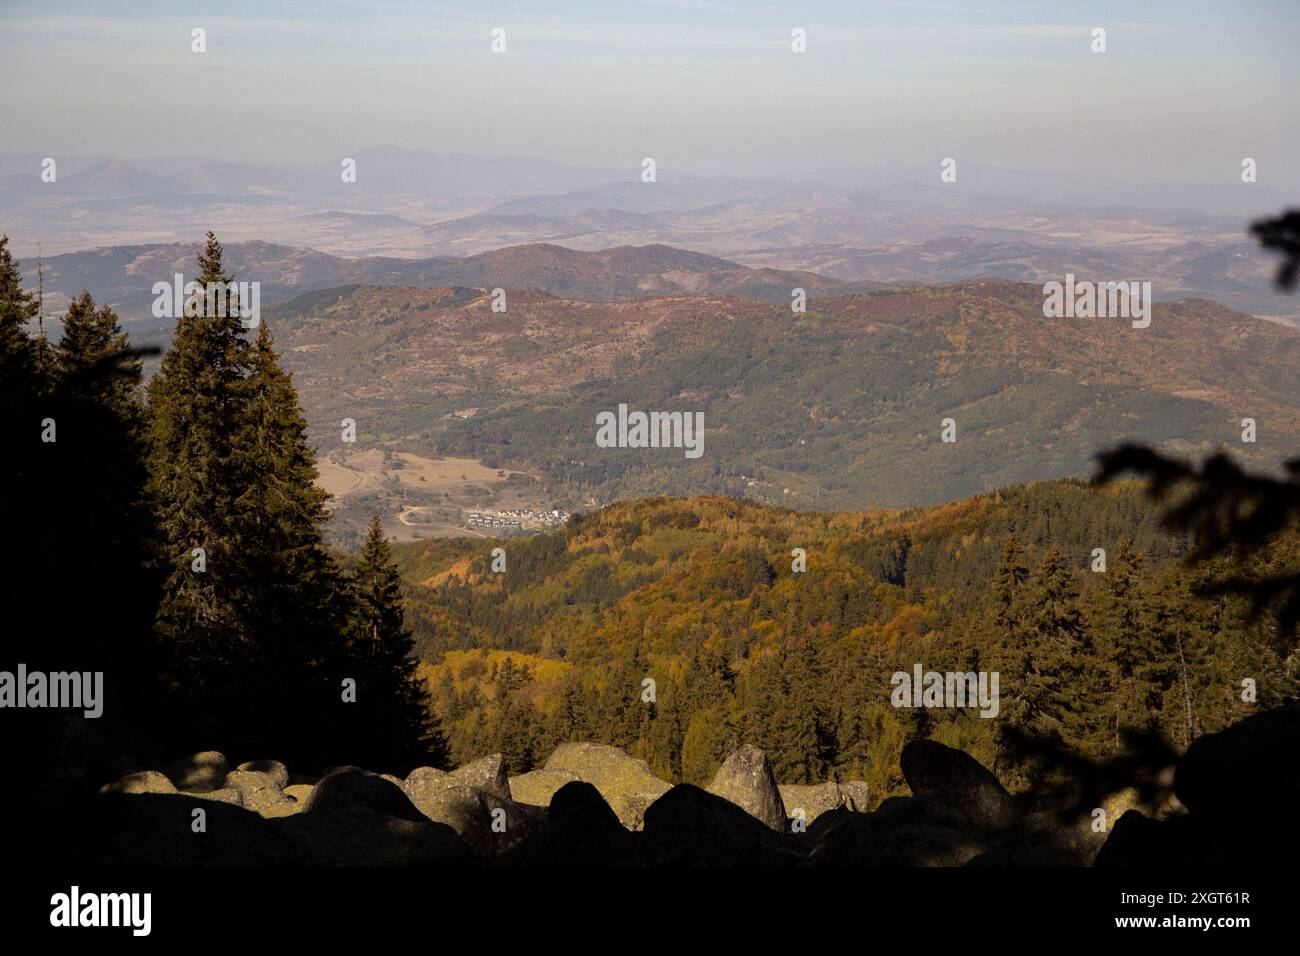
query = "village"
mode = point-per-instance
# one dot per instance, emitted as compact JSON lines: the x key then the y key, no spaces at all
{"x":516,"y":519}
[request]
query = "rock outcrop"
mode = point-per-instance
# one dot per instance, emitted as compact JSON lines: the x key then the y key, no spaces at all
{"x":487,"y":774}
{"x":145,"y":781}
{"x":277,"y":771}
{"x":959,"y":782}
{"x":198,"y":772}
{"x":812,"y":800}
{"x":260,"y":793}
{"x":745,"y":778}
{"x":626,"y":783}
{"x":349,"y":789}
{"x":593,"y":805}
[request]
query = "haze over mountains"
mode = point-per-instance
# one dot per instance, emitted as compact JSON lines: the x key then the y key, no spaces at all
{"x":675,"y":295}
{"x":904,"y":226}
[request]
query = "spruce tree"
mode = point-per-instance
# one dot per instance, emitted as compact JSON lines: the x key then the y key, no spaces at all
{"x":95,"y":388}
{"x":196,"y":403}
{"x":397,"y":714}
{"x":1135,"y":649}
{"x":254,"y":623}
{"x":17,"y":351}
{"x":19,"y":388}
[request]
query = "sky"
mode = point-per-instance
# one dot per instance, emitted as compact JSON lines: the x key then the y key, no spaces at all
{"x":1183,"y":92}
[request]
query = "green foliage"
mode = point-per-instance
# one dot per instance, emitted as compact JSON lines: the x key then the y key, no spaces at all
{"x":743,"y":649}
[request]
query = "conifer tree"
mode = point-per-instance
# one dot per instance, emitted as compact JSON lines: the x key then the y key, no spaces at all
{"x":254,"y":620}
{"x":1135,"y":648}
{"x":802,"y":725}
{"x":197,"y":477}
{"x":95,"y":389}
{"x":398,"y":716}
{"x":19,"y":388}
{"x":17,"y":351}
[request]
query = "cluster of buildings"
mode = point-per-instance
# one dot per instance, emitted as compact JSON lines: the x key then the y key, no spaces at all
{"x":515,"y":518}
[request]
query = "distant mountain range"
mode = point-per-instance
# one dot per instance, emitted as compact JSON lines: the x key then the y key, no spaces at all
{"x":124,"y":275}
{"x":841,"y":407}
{"x":903,"y":227}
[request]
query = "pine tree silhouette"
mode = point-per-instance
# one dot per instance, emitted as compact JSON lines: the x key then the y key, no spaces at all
{"x":398,"y":725}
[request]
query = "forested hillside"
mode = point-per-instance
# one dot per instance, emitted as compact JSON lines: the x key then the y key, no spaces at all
{"x":839,"y":407}
{"x":699,"y":596}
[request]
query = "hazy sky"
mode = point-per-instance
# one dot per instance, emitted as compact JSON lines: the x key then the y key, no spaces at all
{"x":1184,"y":91}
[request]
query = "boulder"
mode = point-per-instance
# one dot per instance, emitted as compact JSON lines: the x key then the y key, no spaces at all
{"x":870,"y":840}
{"x":580,"y":829}
{"x":197,"y":772}
{"x":145,"y":781}
{"x":922,"y":811}
{"x":347,"y":790}
{"x":424,"y":783}
{"x":155,"y":830}
{"x":820,"y":829}
{"x":471,"y":812}
{"x":857,"y":795}
{"x":260,"y":793}
{"x":224,"y":795}
{"x":359,"y":835}
{"x":813,"y":800}
{"x":1068,"y":834}
{"x":277,"y":771}
{"x":487,"y":773}
{"x":625,"y":782}
{"x":300,"y":792}
{"x":1246,"y":772}
{"x":688,"y":826}
{"x":538,"y":786}
{"x":955,"y":779}
{"x":1137,"y":840}
{"x":745,"y":778}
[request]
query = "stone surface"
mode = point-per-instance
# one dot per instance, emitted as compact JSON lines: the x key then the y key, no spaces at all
{"x":349,"y":790}
{"x":472,"y":812}
{"x":260,"y":793}
{"x":538,"y":786}
{"x":959,"y":781}
{"x":857,"y":795}
{"x":869,"y":840}
{"x":145,"y":781}
{"x":745,"y":778}
{"x":688,"y":826}
{"x":487,"y":773}
{"x":277,"y":771}
{"x":813,"y":800}
{"x":299,"y":791}
{"x":1250,"y":770}
{"x":579,"y":829}
{"x":201,"y":771}
{"x":625,"y":782}
{"x":224,"y":795}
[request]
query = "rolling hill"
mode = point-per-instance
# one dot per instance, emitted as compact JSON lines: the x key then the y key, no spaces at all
{"x":701,"y":597}
{"x":840,"y":407}
{"x":123,"y":276}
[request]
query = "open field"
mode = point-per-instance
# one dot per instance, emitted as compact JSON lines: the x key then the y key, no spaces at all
{"x":417,"y":497}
